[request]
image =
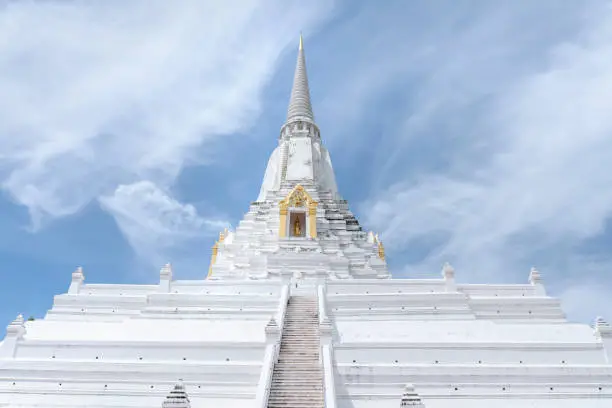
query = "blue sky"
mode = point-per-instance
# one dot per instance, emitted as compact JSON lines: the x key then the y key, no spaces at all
{"x":472,"y":132}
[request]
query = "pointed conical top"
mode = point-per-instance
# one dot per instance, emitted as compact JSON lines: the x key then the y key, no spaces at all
{"x":299,"y":104}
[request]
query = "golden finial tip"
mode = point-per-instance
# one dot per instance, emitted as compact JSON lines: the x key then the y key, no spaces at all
{"x":301,"y":41}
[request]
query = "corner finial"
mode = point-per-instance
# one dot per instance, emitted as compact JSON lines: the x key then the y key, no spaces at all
{"x":301,"y":42}
{"x":166,"y":271}
{"x":177,"y":398}
{"x":602,"y":327}
{"x":534,"y":276}
{"x":410,"y":398}
{"x":448,"y":271}
{"x":272,"y":331}
{"x":78,"y":278}
{"x":17,"y":327}
{"x":78,"y":274}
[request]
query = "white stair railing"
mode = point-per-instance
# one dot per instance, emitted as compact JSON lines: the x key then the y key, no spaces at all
{"x":327,"y":356}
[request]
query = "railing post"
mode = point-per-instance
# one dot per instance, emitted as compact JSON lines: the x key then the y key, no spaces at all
{"x":282,"y":306}
{"x":326,"y":350}
{"x":270,"y":356}
{"x":603,"y":333}
{"x":77,"y":281}
{"x":274,"y":330}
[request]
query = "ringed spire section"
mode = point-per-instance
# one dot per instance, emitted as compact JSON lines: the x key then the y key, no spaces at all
{"x":300,"y":107}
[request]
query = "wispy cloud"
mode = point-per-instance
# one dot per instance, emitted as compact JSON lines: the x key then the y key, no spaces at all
{"x":519,"y":176}
{"x":154,"y":223}
{"x":95,"y":96}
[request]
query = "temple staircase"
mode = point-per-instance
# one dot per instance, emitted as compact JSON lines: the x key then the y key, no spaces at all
{"x":297,"y":380}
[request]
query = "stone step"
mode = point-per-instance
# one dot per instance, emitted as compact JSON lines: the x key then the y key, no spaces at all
{"x":288,"y":358}
{"x":304,"y":306}
{"x":304,"y":368}
{"x":311,"y":387}
{"x":297,"y":377}
{"x":295,"y":402}
{"x":312,"y":348}
{"x":307,"y":347}
{"x":312,"y":325}
{"x":296,"y":330}
{"x":294,"y":397}
{"x":298,"y":355}
{"x":301,"y":375}
{"x":292,"y":381}
{"x":301,"y":348}
{"x":299,"y":361}
{"x":296,"y":338}
{"x":297,"y":397}
{"x":289,"y":354}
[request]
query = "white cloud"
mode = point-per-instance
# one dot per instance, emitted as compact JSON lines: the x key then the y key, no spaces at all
{"x":543,"y":187}
{"x":154,"y":223}
{"x":95,"y":95}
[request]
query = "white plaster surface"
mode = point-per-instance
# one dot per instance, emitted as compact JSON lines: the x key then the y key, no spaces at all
{"x":149,"y":330}
{"x":271,"y":180}
{"x":300,"y":164}
{"x":398,"y":331}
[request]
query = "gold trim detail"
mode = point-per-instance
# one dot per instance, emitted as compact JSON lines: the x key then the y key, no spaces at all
{"x":312,"y":218}
{"x":298,"y":198}
{"x":282,"y":229}
{"x":213,"y":258}
{"x":381,"y":248}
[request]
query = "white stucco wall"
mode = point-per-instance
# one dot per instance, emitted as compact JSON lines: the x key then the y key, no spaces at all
{"x":149,"y":330}
{"x":271,"y":180}
{"x":300,"y":160}
{"x":449,"y":331}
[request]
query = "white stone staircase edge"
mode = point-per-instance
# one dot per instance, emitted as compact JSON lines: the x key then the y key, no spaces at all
{"x":327,"y":356}
{"x":272,"y":352}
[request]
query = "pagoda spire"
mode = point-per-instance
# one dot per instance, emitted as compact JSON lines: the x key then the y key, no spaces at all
{"x":299,"y":104}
